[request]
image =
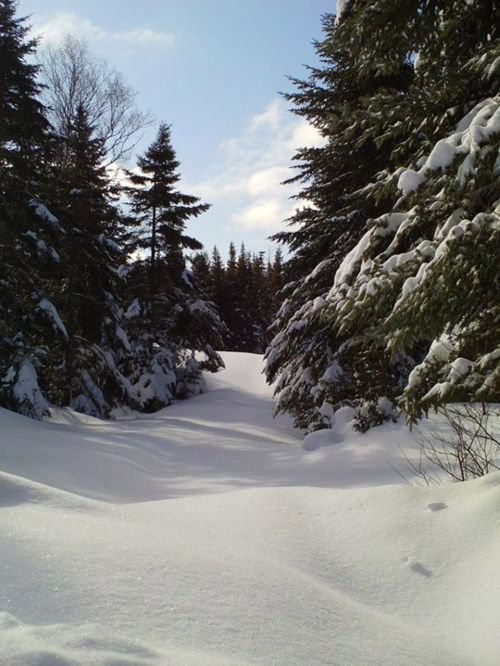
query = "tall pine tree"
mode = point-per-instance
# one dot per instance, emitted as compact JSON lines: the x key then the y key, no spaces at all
{"x":340,"y":192}
{"x":89,"y":302}
{"x":350,"y":332}
{"x":29,"y":233}
{"x":179,"y":322}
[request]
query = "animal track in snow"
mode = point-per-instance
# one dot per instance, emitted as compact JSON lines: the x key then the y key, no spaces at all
{"x":418,"y":567}
{"x":436,"y":506}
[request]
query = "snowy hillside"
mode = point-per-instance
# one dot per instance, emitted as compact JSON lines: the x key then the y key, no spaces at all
{"x":206,"y":534}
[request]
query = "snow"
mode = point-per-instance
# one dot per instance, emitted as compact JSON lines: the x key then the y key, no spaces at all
{"x":333,"y":372}
{"x":109,"y":243}
{"x":476,"y":128}
{"x":122,"y":337}
{"x":419,"y":61}
{"x":26,"y":389}
{"x":409,"y":181}
{"x":459,"y":369}
{"x":494,"y":67}
{"x":296,"y":325}
{"x":43,"y":212}
{"x":44,"y":249}
{"x":204,"y":534}
{"x":134,"y":310}
{"x":50,"y":309}
{"x":159,"y":383}
{"x":186,"y":277}
{"x":318,"y":303}
{"x":350,"y":261}
{"x":341,"y":6}
{"x":441,"y":156}
{"x":199,"y":307}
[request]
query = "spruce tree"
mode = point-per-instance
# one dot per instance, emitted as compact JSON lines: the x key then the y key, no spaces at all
{"x":178,"y":321}
{"x":407,"y":286}
{"x":355,"y":340}
{"x":200,"y":266}
{"x":340,"y":182}
{"x":23,"y":126}
{"x":217,"y":278}
{"x":90,"y":299}
{"x":226,"y":293}
{"x":245,"y":291}
{"x":29,"y":233}
{"x":162,"y":212}
{"x":81,"y":323}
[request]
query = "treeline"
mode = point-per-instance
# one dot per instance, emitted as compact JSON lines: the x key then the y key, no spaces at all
{"x":97,"y":307}
{"x":245,"y":289}
{"x":394,"y":301}
{"x":392,"y":294}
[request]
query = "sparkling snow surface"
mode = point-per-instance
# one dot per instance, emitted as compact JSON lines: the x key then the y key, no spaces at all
{"x":206,"y":534}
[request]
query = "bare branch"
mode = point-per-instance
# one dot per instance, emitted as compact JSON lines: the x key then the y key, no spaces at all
{"x":469,"y":449}
{"x":74,"y":76}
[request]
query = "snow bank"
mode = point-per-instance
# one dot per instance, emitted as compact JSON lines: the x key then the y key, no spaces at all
{"x":205,"y":534}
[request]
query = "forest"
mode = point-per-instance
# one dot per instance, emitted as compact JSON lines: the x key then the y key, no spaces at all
{"x":386,"y":295}
{"x":280,"y":447}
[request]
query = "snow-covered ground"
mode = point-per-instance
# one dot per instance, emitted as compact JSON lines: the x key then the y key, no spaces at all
{"x":206,"y":534}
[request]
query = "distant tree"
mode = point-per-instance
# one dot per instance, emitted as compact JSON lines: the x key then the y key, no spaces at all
{"x":276,"y":280}
{"x":217,"y":284}
{"x":179,"y":321}
{"x":162,"y":212}
{"x":246,"y":292}
{"x":200,"y":266}
{"x":75,"y":78}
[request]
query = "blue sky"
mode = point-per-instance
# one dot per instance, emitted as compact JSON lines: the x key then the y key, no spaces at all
{"x":213,"y":69}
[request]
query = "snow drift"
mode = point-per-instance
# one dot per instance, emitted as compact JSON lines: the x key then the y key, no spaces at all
{"x":205,"y":534}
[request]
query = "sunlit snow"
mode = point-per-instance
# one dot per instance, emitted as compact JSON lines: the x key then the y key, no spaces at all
{"x":206,"y":534}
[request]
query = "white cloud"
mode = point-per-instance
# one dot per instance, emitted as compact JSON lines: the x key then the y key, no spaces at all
{"x":304,"y":134}
{"x":262,"y":215}
{"x":55,"y":27}
{"x":267,"y":180}
{"x":253,"y":166}
{"x":270,"y":117}
{"x":144,"y":36}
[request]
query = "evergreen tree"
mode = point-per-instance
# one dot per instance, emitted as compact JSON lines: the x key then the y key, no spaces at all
{"x":90,"y":299}
{"x":245,"y":292}
{"x":22,"y":122}
{"x":66,"y":337}
{"x":162,"y":212}
{"x":355,"y":340}
{"x":276,"y":282}
{"x":340,"y":182}
{"x":179,"y":322}
{"x":217,"y":285}
{"x":200,"y":266}
{"x":403,"y":287}
{"x":229,"y":301}
{"x":29,"y":233}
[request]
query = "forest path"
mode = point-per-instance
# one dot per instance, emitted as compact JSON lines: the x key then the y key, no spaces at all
{"x":204,"y":534}
{"x":224,"y":440}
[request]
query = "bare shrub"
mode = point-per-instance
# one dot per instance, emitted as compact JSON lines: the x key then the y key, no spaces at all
{"x":468,"y":448}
